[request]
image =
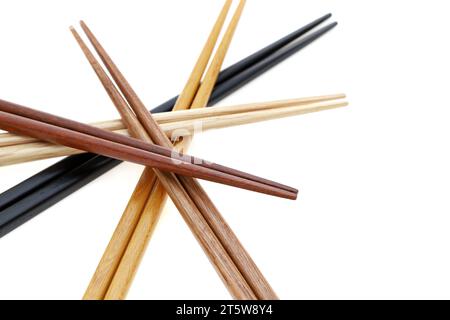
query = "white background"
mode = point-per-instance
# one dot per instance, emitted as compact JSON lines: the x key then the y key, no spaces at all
{"x":372,"y":220}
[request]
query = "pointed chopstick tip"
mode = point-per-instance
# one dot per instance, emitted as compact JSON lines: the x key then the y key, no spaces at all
{"x":334,"y":24}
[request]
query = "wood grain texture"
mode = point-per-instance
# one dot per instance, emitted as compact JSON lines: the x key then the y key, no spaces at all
{"x":110,"y":260}
{"x":11,"y":119}
{"x":209,"y":211}
{"x":250,"y":117}
{"x":91,"y":166}
{"x":147,"y":121}
{"x":225,"y":267}
{"x":233,"y":246}
{"x":133,"y":253}
{"x":188,"y":93}
{"x":204,"y":92}
{"x":240,"y":256}
{"x":43,"y":150}
{"x":8,"y":139}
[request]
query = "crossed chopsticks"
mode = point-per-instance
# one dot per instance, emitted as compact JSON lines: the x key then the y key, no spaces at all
{"x":242,"y":279}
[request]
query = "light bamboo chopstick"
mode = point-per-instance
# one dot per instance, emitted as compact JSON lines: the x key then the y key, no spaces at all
{"x":193,"y":83}
{"x":189,"y":126}
{"x":130,"y":261}
{"x":247,"y":266}
{"x":10,"y":139}
{"x":237,"y":287}
{"x":115,"y":250}
{"x":43,"y":150}
{"x":207,"y":86}
{"x":34,"y":151}
{"x":27,"y":121}
{"x":144,"y":116}
{"x":161,"y":138}
{"x":188,"y":209}
{"x":209,"y":211}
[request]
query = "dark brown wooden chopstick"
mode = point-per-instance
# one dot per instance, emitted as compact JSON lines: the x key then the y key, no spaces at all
{"x":30,"y":122}
{"x":118,"y":99}
{"x":231,"y":243}
{"x":240,"y":256}
{"x":235,"y":283}
{"x":108,"y":135}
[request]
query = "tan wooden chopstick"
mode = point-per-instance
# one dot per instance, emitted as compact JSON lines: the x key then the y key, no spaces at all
{"x":193,"y":83}
{"x":208,"y":208}
{"x":39,"y":150}
{"x":199,"y":193}
{"x":10,"y":139}
{"x":237,"y":288}
{"x":247,"y":266}
{"x":222,"y":262}
{"x":41,"y":125}
{"x":115,"y":250}
{"x":121,"y":282}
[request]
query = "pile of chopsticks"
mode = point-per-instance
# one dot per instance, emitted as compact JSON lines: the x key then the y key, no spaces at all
{"x":152,"y":140}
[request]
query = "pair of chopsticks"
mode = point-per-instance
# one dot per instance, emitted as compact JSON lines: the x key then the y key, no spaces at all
{"x":237,"y":270}
{"x":226,"y":247}
{"x":31,"y":197}
{"x":44,"y":126}
{"x":175,"y":118}
{"x":16,"y":149}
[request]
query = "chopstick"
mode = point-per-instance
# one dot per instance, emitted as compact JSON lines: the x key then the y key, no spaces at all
{"x":142,"y":233}
{"x":116,"y":289}
{"x":193,"y":83}
{"x":269,"y":50}
{"x":9,"y":139}
{"x":237,"y":252}
{"x":15,"y":118}
{"x":152,"y":129}
{"x":41,"y":192}
{"x":205,"y":120}
{"x":240,"y":256}
{"x":265,"y":64}
{"x":139,"y":213}
{"x":248,"y":117}
{"x":203,"y":94}
{"x":22,"y":210}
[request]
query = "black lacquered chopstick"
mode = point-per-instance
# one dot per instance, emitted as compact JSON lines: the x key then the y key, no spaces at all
{"x":267,"y":51}
{"x":37,"y":194}
{"x":227,"y":75}
{"x":30,"y":185}
{"x":262,"y":66}
{"x":52,"y":192}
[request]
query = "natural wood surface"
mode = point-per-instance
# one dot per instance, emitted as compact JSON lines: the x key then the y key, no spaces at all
{"x":9,"y":139}
{"x":109,"y":262}
{"x":149,"y":124}
{"x":133,"y":253}
{"x":240,"y":256}
{"x":12,"y":119}
{"x":188,"y":93}
{"x":207,"y":208}
{"x":152,"y":128}
{"x":249,"y":117}
{"x":207,"y":86}
{"x":209,"y":211}
{"x":211,"y":245}
{"x":44,"y":150}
